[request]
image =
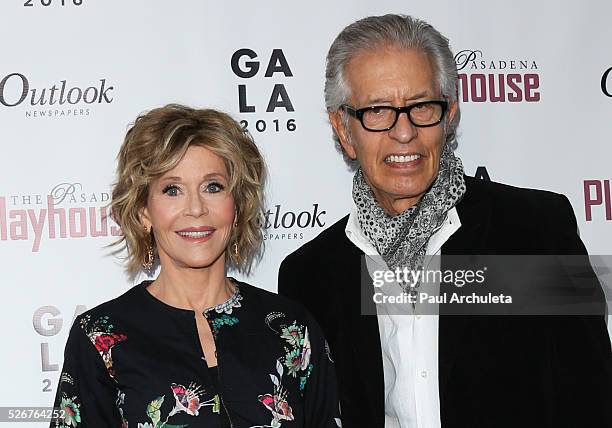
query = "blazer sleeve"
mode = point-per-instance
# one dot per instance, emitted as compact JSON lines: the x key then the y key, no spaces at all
{"x":566,"y":238}
{"x":322,"y":408}
{"x":86,"y":395}
{"x":582,"y":357}
{"x":290,"y":276}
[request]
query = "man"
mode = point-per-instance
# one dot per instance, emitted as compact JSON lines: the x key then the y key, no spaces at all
{"x":391,"y":94}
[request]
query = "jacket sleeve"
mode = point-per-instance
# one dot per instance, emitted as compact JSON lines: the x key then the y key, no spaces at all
{"x":290,"y":276}
{"x":322,"y":408}
{"x":582,"y":357}
{"x":86,"y":395}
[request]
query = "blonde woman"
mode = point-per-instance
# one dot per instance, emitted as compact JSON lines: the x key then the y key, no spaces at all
{"x":194,"y":347}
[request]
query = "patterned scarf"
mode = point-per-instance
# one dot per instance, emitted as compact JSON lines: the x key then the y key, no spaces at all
{"x":402,"y":239}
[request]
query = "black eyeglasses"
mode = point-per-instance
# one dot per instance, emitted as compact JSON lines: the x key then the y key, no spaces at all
{"x":383,"y":118}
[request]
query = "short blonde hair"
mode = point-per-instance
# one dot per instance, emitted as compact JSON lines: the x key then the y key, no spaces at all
{"x":155,"y":143}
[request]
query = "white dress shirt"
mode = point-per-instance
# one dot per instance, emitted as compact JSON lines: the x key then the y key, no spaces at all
{"x":409,"y":342}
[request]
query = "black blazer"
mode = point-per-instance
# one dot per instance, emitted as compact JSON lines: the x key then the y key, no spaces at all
{"x":494,"y":371}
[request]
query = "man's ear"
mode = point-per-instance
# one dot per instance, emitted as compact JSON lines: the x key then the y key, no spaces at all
{"x":337,"y":122}
{"x":452,"y":111}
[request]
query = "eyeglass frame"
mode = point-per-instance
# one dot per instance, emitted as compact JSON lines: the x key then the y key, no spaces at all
{"x":359,"y":112}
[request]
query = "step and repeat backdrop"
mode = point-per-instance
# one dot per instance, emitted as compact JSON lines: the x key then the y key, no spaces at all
{"x":536,"y":100}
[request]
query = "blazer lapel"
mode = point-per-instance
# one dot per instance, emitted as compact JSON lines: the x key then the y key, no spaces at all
{"x":474,"y":214}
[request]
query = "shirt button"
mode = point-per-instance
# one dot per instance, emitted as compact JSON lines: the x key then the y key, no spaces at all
{"x":418,"y":317}
{"x":424,"y":374}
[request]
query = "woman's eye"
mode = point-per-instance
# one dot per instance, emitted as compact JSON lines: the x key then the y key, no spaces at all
{"x":171,"y":190}
{"x":214,"y":187}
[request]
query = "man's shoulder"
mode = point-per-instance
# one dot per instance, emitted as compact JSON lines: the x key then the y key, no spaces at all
{"x":520,"y":219}
{"x":328,"y":241}
{"x":504,"y":198}
{"x":505,"y":192}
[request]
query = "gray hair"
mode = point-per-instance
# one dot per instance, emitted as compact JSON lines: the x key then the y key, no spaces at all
{"x":399,"y":30}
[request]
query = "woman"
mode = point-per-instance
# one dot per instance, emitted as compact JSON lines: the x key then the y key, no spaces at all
{"x":194,"y":347}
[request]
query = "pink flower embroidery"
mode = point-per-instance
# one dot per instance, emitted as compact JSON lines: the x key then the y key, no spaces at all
{"x":187,"y":399}
{"x":279,"y":407}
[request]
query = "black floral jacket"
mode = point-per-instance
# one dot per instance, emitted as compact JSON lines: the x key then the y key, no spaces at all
{"x":136,"y":362}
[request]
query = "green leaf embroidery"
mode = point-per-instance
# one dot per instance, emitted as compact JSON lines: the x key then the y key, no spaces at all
{"x":217,"y":405}
{"x":153,"y":410}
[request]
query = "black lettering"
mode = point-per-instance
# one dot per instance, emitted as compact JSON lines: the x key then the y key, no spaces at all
{"x":291,"y":215}
{"x":278,"y":64}
{"x":62,"y":100}
{"x":41,"y":99}
{"x":315,"y":216}
{"x":51,"y":97}
{"x":78,"y":98}
{"x":90,"y":99}
{"x":276,"y":223}
{"x":305,"y":223}
{"x":252,"y":67}
{"x":279,"y":98}
{"x":242,"y":101}
{"x":25,"y":86}
{"x":604,"y":83}
{"x":103,"y":92}
{"x":482,"y":173}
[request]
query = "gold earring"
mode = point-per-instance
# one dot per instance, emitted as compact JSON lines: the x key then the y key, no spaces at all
{"x":149,"y":256}
{"x":235,"y":251}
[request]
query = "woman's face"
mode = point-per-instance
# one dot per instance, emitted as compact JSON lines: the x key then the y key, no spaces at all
{"x":191,"y":211}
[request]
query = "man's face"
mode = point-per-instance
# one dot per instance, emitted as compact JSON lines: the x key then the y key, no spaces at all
{"x":395,"y":77}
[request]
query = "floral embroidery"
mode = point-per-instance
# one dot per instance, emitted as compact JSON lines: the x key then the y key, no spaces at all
{"x":187,"y":400}
{"x":72,"y":413}
{"x":277,"y":401}
{"x":217,"y":323}
{"x":304,"y":379}
{"x":100,"y":333}
{"x":119,"y":403}
{"x":297,"y":357}
{"x":70,"y":406}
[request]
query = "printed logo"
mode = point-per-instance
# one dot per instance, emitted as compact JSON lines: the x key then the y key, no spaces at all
{"x":245,"y":64}
{"x":66,"y":212}
{"x":51,"y":3}
{"x":482,"y":173}
{"x":598,"y":199}
{"x":508,"y":80}
{"x":606,"y":83}
{"x":282,"y":224}
{"x":59,"y":99}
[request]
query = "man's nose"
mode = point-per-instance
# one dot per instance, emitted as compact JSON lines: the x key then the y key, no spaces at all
{"x":403,"y":131}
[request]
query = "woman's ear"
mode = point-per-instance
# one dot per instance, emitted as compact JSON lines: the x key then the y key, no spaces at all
{"x":145,"y":219}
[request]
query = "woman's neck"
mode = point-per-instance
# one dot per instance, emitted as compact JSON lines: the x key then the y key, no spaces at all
{"x":193,"y":289}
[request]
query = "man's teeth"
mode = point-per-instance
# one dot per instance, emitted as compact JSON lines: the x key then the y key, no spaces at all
{"x":408,"y":158}
{"x":195,"y":234}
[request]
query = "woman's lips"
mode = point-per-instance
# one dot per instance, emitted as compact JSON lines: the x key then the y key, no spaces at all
{"x":196,"y":234}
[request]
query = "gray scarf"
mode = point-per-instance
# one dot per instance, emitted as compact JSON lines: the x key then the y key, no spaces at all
{"x":402,"y":239}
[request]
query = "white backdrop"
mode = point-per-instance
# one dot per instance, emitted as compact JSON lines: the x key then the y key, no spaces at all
{"x":75,"y":73}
